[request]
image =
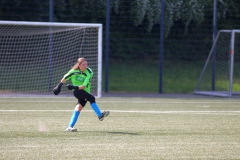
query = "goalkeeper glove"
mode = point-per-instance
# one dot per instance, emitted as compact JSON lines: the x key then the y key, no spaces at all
{"x":71,"y":87}
{"x":57,"y":89}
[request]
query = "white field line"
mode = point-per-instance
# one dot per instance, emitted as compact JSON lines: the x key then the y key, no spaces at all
{"x":135,"y":111}
{"x":131,"y":102}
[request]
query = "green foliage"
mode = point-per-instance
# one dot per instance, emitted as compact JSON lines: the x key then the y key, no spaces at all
{"x":136,"y":46}
{"x":139,"y":11}
{"x":21,"y":10}
{"x":134,"y":25}
{"x":229,"y":17}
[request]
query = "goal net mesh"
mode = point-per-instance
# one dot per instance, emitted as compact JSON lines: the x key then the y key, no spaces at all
{"x":217,"y":73}
{"x":35,"y":58}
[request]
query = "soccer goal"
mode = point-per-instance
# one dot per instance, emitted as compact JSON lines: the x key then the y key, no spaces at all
{"x":220,"y":75}
{"x":36,"y":55}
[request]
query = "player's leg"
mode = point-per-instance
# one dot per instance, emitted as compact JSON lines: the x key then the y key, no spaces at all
{"x":95,"y":107}
{"x":74,"y":118}
{"x":81,"y":94}
{"x":75,"y":115}
{"x":103,"y":115}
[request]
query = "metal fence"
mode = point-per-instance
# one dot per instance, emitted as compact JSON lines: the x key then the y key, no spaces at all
{"x":134,"y":33}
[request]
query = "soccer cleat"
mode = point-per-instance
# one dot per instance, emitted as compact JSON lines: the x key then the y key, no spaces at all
{"x":71,"y":129}
{"x":103,"y":115}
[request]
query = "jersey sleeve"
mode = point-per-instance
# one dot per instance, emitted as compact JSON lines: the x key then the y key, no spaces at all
{"x":88,"y":77}
{"x":68,"y":75}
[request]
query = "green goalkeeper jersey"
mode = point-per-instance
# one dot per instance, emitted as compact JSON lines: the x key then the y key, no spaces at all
{"x":79,"y":78}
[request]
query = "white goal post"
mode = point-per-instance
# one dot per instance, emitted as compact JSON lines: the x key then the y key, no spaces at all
{"x":36,"y":55}
{"x":220,"y":75}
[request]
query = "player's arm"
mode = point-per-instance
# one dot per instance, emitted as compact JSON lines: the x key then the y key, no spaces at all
{"x":86,"y":82}
{"x":71,"y":87}
{"x":63,"y":80}
{"x":57,"y":89}
{"x":83,"y":86}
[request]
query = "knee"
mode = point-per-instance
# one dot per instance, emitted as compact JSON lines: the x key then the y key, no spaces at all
{"x":78,"y":107}
{"x":92,"y":99}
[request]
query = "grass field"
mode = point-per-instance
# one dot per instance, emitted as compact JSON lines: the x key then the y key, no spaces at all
{"x":137,"y":128}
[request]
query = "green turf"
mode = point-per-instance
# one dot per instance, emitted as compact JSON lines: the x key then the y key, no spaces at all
{"x":137,"y":128}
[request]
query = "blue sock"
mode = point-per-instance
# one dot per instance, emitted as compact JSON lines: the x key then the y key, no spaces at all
{"x":96,"y":109}
{"x":74,"y":118}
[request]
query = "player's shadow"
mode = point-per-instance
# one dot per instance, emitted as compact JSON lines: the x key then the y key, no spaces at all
{"x":126,"y":133}
{"x":109,"y":132}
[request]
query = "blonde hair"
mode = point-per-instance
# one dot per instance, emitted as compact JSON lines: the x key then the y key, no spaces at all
{"x":79,"y":61}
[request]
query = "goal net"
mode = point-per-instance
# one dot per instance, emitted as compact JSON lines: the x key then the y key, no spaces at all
{"x":220,"y":75}
{"x":36,"y":55}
